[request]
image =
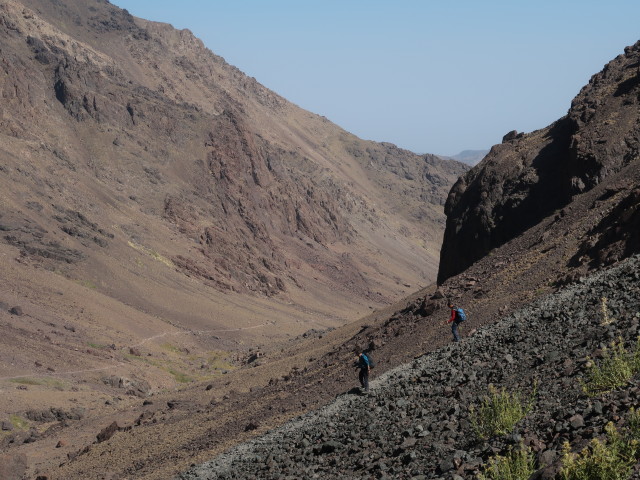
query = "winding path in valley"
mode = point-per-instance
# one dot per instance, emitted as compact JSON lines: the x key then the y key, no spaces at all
{"x":143,"y":342}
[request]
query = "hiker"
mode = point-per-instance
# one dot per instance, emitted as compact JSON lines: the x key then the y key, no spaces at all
{"x":457,"y":317}
{"x":364,"y":364}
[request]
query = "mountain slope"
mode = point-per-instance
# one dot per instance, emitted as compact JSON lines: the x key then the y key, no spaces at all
{"x":418,"y":420}
{"x":557,"y":218}
{"x":208,"y":417}
{"x":142,"y":146}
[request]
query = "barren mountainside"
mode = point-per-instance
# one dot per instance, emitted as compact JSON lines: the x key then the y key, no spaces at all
{"x":529,"y":233}
{"x":124,"y":136}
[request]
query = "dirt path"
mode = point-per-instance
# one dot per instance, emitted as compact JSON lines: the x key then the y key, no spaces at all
{"x":143,"y":342}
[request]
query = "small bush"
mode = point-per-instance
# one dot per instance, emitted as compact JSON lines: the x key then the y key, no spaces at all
{"x":179,"y":376}
{"x":499,"y":412}
{"x":615,"y":370}
{"x":606,"y":319}
{"x":19,"y":422}
{"x":611,"y":459}
{"x":634,"y":424}
{"x":516,"y":465}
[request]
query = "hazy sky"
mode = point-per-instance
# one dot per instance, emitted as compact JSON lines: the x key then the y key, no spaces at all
{"x":431,"y":76}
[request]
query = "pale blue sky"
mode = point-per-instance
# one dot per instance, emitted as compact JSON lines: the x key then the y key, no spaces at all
{"x":430,"y":76}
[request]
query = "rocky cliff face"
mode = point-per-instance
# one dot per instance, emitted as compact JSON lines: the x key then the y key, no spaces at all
{"x":528,"y":177}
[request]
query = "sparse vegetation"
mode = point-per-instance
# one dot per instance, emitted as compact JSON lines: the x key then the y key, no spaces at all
{"x":634,"y":423}
{"x":87,"y":284}
{"x":18,"y":422}
{"x":48,"y":382}
{"x":499,"y":412}
{"x":518,"y":464}
{"x":181,"y":365}
{"x":616,"y":369}
{"x":219,"y":361}
{"x":180,"y":376}
{"x":146,"y":360}
{"x":610,"y":459}
{"x":26,"y":381}
{"x":606,"y":319}
{"x":151,"y":253}
{"x":172,"y":348}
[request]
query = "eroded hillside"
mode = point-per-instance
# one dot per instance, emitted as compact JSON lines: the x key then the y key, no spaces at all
{"x":140,"y":169}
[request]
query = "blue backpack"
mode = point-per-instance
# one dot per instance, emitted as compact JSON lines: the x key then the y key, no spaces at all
{"x":368,"y":360}
{"x":461,"y":316}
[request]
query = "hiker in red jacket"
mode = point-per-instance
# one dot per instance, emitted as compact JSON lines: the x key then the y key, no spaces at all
{"x":457,"y":317}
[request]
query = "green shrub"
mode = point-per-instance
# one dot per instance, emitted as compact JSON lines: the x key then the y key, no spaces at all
{"x":634,"y":424}
{"x":611,"y":459}
{"x":499,"y":412}
{"x":179,"y":376}
{"x":19,"y":422}
{"x":516,"y":465}
{"x":615,"y":370}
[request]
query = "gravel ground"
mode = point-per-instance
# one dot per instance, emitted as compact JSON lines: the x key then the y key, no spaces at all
{"x":415,"y":424}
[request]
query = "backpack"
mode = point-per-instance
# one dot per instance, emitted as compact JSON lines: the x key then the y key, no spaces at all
{"x":368,"y":360}
{"x":460,"y":315}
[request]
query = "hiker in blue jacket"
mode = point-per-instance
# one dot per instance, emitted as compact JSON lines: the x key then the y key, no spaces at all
{"x":457,"y":317}
{"x":364,"y":364}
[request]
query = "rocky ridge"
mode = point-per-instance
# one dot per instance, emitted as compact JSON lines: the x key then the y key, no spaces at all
{"x":416,"y":425}
{"x":529,"y":176}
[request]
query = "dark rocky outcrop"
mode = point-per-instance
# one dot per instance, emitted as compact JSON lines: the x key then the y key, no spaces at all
{"x":616,"y":236}
{"x":529,"y":177}
{"x":133,"y":386}
{"x":55,"y":414}
{"x":107,"y":432}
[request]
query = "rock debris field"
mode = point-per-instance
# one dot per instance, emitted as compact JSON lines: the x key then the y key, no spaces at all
{"x":416,"y":421}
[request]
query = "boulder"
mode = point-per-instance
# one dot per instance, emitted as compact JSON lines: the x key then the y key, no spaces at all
{"x":107,"y":432}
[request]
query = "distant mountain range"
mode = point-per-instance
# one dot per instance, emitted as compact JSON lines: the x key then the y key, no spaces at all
{"x":470,"y":157}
